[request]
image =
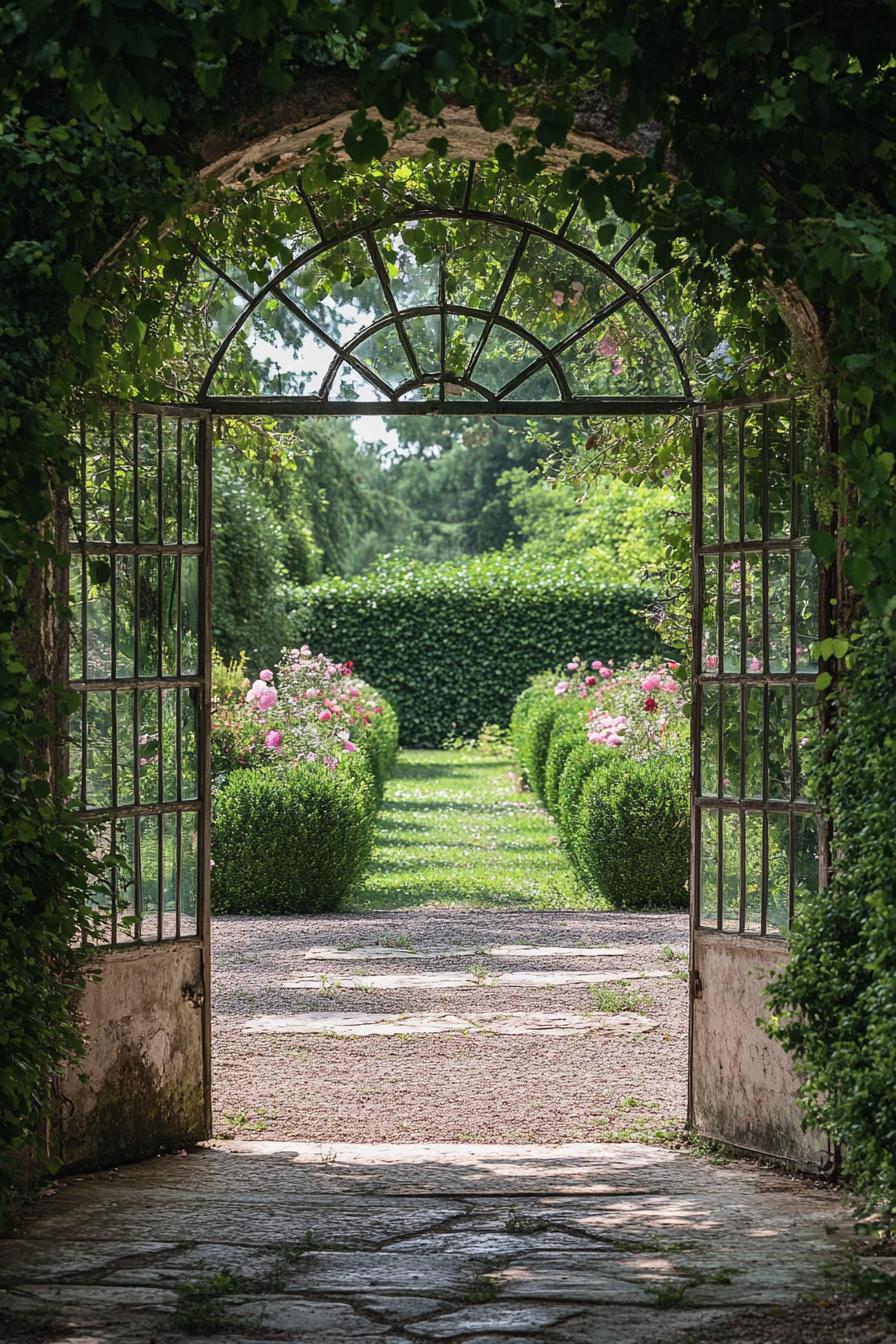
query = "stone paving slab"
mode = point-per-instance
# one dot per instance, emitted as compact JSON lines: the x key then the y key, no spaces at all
{"x":566,"y":1244}
{"x":415,"y":1024}
{"x":383,"y":952}
{"x":466,"y":979}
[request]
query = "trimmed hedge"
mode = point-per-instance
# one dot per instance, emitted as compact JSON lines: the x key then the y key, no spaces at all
{"x":623,"y":823}
{"x":632,"y":837}
{"x":291,"y":843}
{"x":454,"y":644}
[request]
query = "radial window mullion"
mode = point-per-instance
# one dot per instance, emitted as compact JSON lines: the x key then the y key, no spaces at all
{"x":501,"y":295}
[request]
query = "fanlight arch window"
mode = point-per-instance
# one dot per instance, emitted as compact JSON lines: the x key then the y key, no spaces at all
{"x":443,"y":305}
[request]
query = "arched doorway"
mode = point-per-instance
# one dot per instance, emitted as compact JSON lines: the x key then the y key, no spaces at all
{"x":557,"y":323}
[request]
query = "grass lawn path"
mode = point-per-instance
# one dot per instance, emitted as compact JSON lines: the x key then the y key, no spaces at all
{"x":456,"y":831}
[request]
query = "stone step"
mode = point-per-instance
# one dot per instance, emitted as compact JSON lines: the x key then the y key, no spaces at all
{"x":469,"y":979}
{"x":419,"y":1024}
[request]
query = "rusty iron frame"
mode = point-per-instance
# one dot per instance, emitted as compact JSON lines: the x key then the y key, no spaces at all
{"x":545,"y":356}
{"x":709,"y":797}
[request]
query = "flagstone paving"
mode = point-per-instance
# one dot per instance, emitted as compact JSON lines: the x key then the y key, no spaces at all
{"x":566,"y":1244}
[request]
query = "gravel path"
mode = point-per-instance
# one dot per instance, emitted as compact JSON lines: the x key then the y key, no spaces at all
{"x":517,"y":1081}
{"x":452,"y":1087}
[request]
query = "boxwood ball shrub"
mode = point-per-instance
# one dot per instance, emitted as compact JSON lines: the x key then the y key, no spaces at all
{"x":565,"y":737}
{"x":454,"y":644}
{"x":290,"y":843}
{"x":632,"y":833}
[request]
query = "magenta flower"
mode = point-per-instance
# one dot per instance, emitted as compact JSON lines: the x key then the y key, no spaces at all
{"x":325,"y":715}
{"x":713,"y":660}
{"x":267,"y":698}
{"x":606,"y":671}
{"x":608,"y":347}
{"x":616,"y":365}
{"x":596,"y":665}
{"x":266,"y":675}
{"x":349,"y":746}
{"x":591,"y":681}
{"x":273,"y":740}
{"x":651,"y":682}
{"x":755,"y":665}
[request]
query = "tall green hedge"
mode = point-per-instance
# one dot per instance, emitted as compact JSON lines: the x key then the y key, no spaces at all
{"x":454,"y":644}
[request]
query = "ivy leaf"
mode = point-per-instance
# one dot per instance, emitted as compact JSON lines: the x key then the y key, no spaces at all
{"x":71,"y":276}
{"x":822,"y":546}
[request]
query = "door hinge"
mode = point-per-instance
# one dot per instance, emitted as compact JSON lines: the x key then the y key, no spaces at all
{"x":696,"y":984}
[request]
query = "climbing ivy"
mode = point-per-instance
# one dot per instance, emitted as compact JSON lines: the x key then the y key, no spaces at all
{"x":761,"y":133}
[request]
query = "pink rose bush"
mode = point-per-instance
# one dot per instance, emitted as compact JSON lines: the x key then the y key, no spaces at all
{"x":638,"y":708}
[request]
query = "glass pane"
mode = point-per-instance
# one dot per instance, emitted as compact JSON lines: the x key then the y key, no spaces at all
{"x":170,"y":484}
{"x":124,"y":880}
{"x":477,"y":261}
{"x":806,"y":437}
{"x":424,"y":333}
{"x":709,"y":743}
{"x":753,"y":891}
{"x":808,"y":732}
{"x":553,"y":292}
{"x":169,"y":874}
{"x":753,"y":740}
{"x":779,"y":611}
{"x":462,"y":333}
{"x":710,"y":480}
{"x":147,"y":479}
{"x":125,"y":614}
{"x":730,"y":870}
{"x":752,"y":452}
{"x":189,"y":873}
{"x":351,"y":385}
{"x":125,"y":731}
{"x":731,"y":741}
{"x":148,"y":614}
{"x":709,"y":868}
{"x":625,"y":356}
{"x":542,"y":386}
{"x":340,"y":289}
{"x":169,"y":746}
{"x":778,"y":916}
{"x":731,"y":652}
{"x":189,"y":743}
{"x":99,"y":617}
{"x":148,"y":747}
{"x":189,"y":615}
{"x":75,"y":597}
{"x":806,"y":858}
{"x":503,"y":357}
{"x":412,"y":255}
{"x":149,"y":878}
{"x":752,"y":580}
{"x":97,"y":480}
{"x":806,"y":610}
{"x":124,"y":478}
{"x":711,"y":614}
{"x":778,"y":472}
{"x":189,"y":481}
{"x":731,"y":476}
{"x":383,"y":353}
{"x":99,"y":749}
{"x":779,"y":742}
{"x":273,"y":354}
{"x":169,"y":615}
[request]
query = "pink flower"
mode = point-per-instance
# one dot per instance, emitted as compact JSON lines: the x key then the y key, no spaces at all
{"x":713,"y":660}
{"x":672,"y":666}
{"x":325,"y":715}
{"x":266,"y":675}
{"x":330,"y":762}
{"x":561,"y":688}
{"x":267,"y":698}
{"x":614,"y":740}
{"x":651,"y":682}
{"x":596,"y":664}
{"x":312,"y":693}
{"x":650,"y":705}
{"x":616,"y":365}
{"x":606,"y":671}
{"x":669,"y":686}
{"x":608,"y":347}
{"x":349,"y":746}
{"x":591,"y":681}
{"x":305,"y":651}
{"x":595,"y":737}
{"x":377,"y":709}
{"x":557,"y":298}
{"x":572,"y":667}
{"x":274,"y":740}
{"x":755,"y":665}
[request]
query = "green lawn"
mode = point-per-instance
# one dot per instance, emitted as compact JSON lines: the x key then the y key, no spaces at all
{"x":455,"y":831}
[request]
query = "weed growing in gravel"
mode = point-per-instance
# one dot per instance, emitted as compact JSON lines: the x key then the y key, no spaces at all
{"x":329,"y":984}
{"x":619,"y":999}
{"x":480,"y":972}
{"x":636,"y":1104}
{"x":399,"y":940}
{"x":668,"y":953}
